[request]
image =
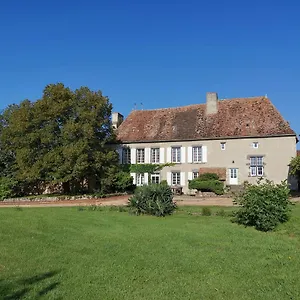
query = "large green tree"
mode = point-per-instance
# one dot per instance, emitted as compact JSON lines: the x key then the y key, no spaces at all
{"x":61,"y":138}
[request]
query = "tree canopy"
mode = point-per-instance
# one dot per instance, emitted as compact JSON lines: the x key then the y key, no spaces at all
{"x":59,"y":139}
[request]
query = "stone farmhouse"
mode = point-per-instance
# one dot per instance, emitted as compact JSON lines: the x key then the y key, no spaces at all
{"x":240,"y":139}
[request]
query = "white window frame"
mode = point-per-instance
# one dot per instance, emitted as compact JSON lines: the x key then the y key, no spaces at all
{"x":195,"y":174}
{"x":155,"y":155}
{"x":255,"y":145}
{"x":175,"y":178}
{"x":126,"y":156}
{"x":156,"y":176}
{"x":256,"y":166}
{"x":176,"y":154}
{"x":140,"y":179}
{"x":197,"y":154}
{"x":140,"y":156}
{"x":223,"y":146}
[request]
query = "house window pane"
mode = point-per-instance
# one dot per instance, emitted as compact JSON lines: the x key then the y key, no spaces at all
{"x":195,"y":175}
{"x":175,"y":178}
{"x":155,"y":155}
{"x":197,"y":154}
{"x":260,"y":171}
{"x":140,"y":156}
{"x":126,"y":157}
{"x":176,"y":154}
{"x":155,"y":178}
{"x":256,"y":166}
{"x":140,"y":180}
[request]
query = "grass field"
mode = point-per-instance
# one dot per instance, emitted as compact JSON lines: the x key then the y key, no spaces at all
{"x":65,"y":253}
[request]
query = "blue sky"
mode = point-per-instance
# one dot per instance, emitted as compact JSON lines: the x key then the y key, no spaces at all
{"x":159,"y":53}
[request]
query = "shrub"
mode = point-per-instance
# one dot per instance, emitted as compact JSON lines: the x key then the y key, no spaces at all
{"x":206,"y":211}
{"x":221,"y":213}
{"x":263,"y":205}
{"x":164,"y":182}
{"x":215,"y":186}
{"x":208,"y":176}
{"x":6,"y":187}
{"x":153,"y":199}
{"x":124,"y":182}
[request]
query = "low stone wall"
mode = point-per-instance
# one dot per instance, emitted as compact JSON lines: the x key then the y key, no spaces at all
{"x":59,"y":198}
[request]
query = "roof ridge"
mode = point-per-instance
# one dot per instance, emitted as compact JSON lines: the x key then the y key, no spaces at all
{"x":198,"y":104}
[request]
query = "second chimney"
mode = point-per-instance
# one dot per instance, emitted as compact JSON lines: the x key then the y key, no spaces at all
{"x":211,"y":103}
{"x":116,"y":119}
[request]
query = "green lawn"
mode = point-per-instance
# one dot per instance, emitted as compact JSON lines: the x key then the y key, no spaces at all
{"x":64,"y":253}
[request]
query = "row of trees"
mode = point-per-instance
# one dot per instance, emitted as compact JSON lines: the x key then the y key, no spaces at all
{"x":60,"y":140}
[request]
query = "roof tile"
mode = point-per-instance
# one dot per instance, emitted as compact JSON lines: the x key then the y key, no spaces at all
{"x":238,"y":117}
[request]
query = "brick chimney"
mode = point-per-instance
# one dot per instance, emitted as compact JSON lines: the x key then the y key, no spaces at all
{"x":211,"y":103}
{"x":116,"y":119}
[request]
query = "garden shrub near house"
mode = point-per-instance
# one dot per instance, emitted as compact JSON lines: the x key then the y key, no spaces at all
{"x":153,"y":199}
{"x":207,"y":182}
{"x":263,"y":205}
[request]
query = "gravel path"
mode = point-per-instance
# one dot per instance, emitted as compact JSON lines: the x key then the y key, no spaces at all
{"x":119,"y":200}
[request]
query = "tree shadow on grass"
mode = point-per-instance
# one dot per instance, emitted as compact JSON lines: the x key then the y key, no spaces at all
{"x":18,"y":290}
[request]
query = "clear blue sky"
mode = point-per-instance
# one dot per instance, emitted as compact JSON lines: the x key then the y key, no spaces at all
{"x":161,"y":53}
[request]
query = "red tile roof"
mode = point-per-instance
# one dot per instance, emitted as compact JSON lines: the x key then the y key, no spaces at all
{"x":238,"y":117}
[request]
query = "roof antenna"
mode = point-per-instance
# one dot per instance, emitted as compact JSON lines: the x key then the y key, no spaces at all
{"x":134,"y":106}
{"x":266,"y":96}
{"x":142,"y":107}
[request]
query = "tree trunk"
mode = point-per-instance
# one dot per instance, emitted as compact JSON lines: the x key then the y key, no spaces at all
{"x":66,"y":187}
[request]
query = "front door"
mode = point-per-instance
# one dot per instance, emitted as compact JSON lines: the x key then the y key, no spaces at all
{"x":233,"y":176}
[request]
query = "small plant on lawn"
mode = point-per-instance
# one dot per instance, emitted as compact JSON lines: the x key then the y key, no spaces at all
{"x":221,"y":213}
{"x":263,"y":205}
{"x":153,"y":199}
{"x":206,"y":211}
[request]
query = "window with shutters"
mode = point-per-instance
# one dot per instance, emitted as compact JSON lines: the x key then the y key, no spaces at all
{"x":197,"y":154}
{"x":140,"y":156}
{"x":176,"y":154}
{"x":126,"y":156}
{"x":140,"y":179}
{"x":154,"y":158}
{"x":175,"y":178}
{"x":256,"y":166}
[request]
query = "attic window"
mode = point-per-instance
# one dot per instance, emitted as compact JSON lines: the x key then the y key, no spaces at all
{"x":255,"y":145}
{"x":223,"y":146}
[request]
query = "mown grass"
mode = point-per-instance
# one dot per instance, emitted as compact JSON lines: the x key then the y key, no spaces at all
{"x":71,"y":253}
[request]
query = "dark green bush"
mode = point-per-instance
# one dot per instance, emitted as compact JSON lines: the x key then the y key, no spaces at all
{"x":124,"y":182}
{"x":6,"y":187}
{"x":215,"y":186}
{"x":153,"y":199}
{"x":264,"y":205}
{"x":206,"y":211}
{"x":208,"y":176}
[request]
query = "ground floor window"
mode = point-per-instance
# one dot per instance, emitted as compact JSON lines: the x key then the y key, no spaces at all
{"x":175,"y":178}
{"x":195,"y":174}
{"x":256,"y":166}
{"x":155,"y":178}
{"x":140,"y":179}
